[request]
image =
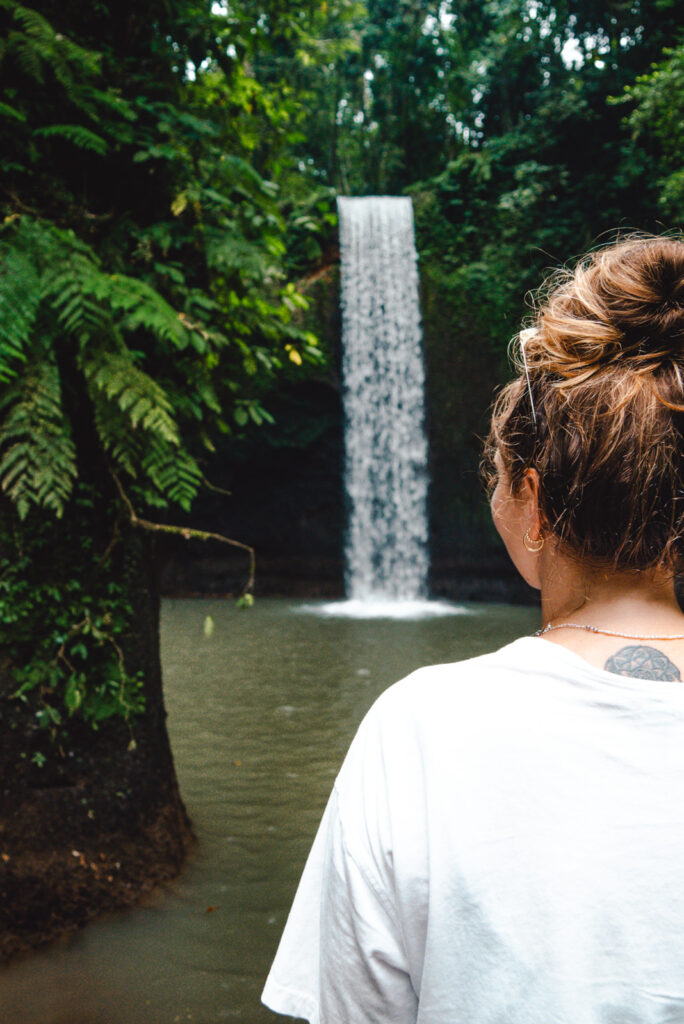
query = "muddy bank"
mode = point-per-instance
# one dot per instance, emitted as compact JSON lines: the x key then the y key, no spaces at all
{"x":91,"y":818}
{"x":45,"y":893}
{"x":93,"y":828}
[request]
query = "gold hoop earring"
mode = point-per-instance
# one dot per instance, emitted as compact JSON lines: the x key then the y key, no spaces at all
{"x":532,"y":545}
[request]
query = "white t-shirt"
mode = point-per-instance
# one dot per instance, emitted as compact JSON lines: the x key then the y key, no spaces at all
{"x":504,"y":845}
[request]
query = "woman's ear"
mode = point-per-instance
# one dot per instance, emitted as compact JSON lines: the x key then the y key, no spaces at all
{"x":529,"y":494}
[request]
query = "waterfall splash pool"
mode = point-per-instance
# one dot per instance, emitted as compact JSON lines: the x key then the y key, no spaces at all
{"x":380,"y":608}
{"x":260,"y":717}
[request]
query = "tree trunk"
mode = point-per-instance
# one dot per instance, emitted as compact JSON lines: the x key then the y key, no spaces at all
{"x":100,"y":821}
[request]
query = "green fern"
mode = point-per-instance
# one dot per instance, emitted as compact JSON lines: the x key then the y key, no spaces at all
{"x":28,"y":57}
{"x":230,"y":254}
{"x":81,"y":137}
{"x":53,"y":287}
{"x":166,"y":471}
{"x":7,"y":111}
{"x":125,"y":447}
{"x":19,"y":302}
{"x":37,"y":46}
{"x":67,"y":286}
{"x":37,"y":454}
{"x":173,"y":471}
{"x":141,"y":305}
{"x":143,"y":401}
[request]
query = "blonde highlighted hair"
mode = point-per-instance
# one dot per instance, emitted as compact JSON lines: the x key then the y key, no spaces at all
{"x":602,"y":421}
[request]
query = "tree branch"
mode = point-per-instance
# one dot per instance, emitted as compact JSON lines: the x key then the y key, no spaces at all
{"x":218,"y":490}
{"x":186,"y":532}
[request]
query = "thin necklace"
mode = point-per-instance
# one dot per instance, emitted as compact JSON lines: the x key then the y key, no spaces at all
{"x":605,"y":632}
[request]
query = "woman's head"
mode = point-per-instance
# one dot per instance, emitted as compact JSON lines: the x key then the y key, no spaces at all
{"x":602,"y":420}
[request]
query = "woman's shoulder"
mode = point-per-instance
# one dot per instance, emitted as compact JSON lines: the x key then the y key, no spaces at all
{"x":487,"y":698}
{"x":440,"y":723}
{"x":466,"y":680}
{"x":463,"y":696}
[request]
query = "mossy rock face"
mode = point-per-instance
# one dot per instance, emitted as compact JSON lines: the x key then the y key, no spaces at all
{"x":463,"y":369}
{"x":287,"y":481}
{"x":468,"y":560}
{"x":462,"y":373}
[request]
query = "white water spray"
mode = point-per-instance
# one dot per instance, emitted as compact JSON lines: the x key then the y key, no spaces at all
{"x":382,"y":364}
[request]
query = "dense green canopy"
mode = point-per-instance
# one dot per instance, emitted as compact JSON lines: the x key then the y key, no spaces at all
{"x":168,"y":177}
{"x":145,"y":303}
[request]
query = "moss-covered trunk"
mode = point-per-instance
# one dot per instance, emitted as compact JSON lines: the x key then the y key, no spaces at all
{"x":90,"y":818}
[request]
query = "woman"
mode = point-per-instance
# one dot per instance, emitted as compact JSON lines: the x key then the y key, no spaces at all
{"x":505,"y":840}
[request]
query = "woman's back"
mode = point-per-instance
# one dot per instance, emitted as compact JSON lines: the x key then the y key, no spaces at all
{"x":505,"y":838}
{"x":505,"y":841}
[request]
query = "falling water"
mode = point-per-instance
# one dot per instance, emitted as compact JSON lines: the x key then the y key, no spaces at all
{"x":382,"y":363}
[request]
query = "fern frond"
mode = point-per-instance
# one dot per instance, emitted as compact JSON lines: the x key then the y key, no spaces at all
{"x":174,"y":473}
{"x":7,"y":111}
{"x":126,"y":447}
{"x":38,"y":44}
{"x":144,"y":402}
{"x":37,"y":454}
{"x":67,"y":285}
{"x":198,"y":125}
{"x":142,"y":306}
{"x":109,"y":100}
{"x":228,"y":254}
{"x":19,"y":300}
{"x":165,"y":471}
{"x":81,"y":137}
{"x":27,"y":56}
{"x":33,"y":24}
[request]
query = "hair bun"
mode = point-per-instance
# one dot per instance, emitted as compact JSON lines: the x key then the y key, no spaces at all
{"x":622,"y":303}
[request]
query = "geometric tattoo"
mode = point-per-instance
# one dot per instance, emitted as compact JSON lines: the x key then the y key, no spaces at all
{"x":642,"y":663}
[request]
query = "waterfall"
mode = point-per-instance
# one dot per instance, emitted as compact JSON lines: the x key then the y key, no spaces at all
{"x":383,"y":376}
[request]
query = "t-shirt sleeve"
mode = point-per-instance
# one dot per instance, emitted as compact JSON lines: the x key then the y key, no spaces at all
{"x":341,"y":957}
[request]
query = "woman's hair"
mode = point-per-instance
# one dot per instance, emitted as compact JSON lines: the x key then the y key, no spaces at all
{"x":602,"y":420}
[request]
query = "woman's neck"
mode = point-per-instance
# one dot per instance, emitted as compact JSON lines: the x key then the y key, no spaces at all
{"x":641,"y":604}
{"x":638,"y":622}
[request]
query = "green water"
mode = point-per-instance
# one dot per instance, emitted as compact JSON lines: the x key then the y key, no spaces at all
{"x":260,"y":715}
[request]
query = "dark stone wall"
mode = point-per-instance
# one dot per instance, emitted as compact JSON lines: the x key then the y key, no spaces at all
{"x":468,"y":560}
{"x":287,"y":481}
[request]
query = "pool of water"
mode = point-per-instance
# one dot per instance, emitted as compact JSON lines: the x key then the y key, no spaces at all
{"x":261,"y":710}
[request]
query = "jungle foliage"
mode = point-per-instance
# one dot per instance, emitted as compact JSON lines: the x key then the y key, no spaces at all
{"x":168,"y":177}
{"x":523,"y":128}
{"x":526,"y":131}
{"x":146,"y":306}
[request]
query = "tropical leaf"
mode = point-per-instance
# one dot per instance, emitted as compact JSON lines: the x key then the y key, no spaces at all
{"x":37,"y":47}
{"x":19,"y":302}
{"x":81,"y":137}
{"x":141,"y":305}
{"x":68,"y":285}
{"x":145,"y":403}
{"x":7,"y":111}
{"x":125,"y":446}
{"x":37,"y":454}
{"x":174,"y":472}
